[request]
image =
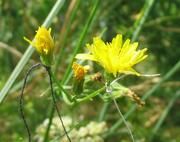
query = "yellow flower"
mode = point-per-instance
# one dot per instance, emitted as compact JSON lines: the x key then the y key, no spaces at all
{"x":79,"y":71}
{"x":79,"y":74}
{"x":116,"y":56}
{"x":44,"y":44}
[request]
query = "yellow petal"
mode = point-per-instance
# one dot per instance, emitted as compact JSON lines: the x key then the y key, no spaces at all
{"x":49,"y":30}
{"x":29,"y":41}
{"x":130,"y":71}
{"x":85,"y":57}
{"x":125,"y":47}
{"x":117,"y":42}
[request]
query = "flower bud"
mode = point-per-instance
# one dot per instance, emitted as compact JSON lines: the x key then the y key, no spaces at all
{"x":44,"y":45}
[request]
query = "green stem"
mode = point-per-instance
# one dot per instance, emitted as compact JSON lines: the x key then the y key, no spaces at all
{"x":68,"y":99}
{"x":103,"y":111}
{"x":52,"y":110}
{"x":65,"y":95}
{"x":90,"y":96}
{"x":124,"y":120}
{"x":48,"y":69}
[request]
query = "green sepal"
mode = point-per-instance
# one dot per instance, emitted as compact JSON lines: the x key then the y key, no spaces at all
{"x":78,"y":86}
{"x":47,"y":59}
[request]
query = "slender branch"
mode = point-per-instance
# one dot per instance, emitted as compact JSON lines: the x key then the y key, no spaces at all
{"x":48,"y":69}
{"x":124,"y":120}
{"x":21,"y":99}
{"x":109,"y":91}
{"x":103,"y":111}
{"x":90,"y":96}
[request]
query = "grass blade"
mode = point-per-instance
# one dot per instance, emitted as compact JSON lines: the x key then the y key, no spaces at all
{"x":164,"y":114}
{"x":80,"y":42}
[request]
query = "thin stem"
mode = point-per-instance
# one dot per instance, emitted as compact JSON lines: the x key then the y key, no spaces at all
{"x":106,"y":105}
{"x":117,"y":79}
{"x":150,"y":75}
{"x":52,"y":110}
{"x":48,"y":69}
{"x":21,"y":99}
{"x":66,"y":97}
{"x":124,"y":120}
{"x":90,"y":96}
{"x":109,"y":91}
{"x":103,"y":111}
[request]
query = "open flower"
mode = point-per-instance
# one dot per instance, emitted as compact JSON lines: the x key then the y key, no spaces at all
{"x":116,"y":56}
{"x":44,"y":44}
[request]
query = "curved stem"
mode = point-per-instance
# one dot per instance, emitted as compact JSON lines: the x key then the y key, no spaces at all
{"x":117,"y":79}
{"x":48,"y":69}
{"x":21,"y":99}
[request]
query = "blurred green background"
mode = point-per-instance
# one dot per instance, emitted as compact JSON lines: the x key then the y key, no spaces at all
{"x":160,"y":33}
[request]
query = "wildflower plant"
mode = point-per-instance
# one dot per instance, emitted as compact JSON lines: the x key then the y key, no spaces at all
{"x":116,"y":57}
{"x":44,"y":45}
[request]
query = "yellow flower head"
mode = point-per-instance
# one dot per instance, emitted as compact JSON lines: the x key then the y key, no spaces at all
{"x":44,"y":44}
{"x":79,"y":71}
{"x":116,"y":56}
